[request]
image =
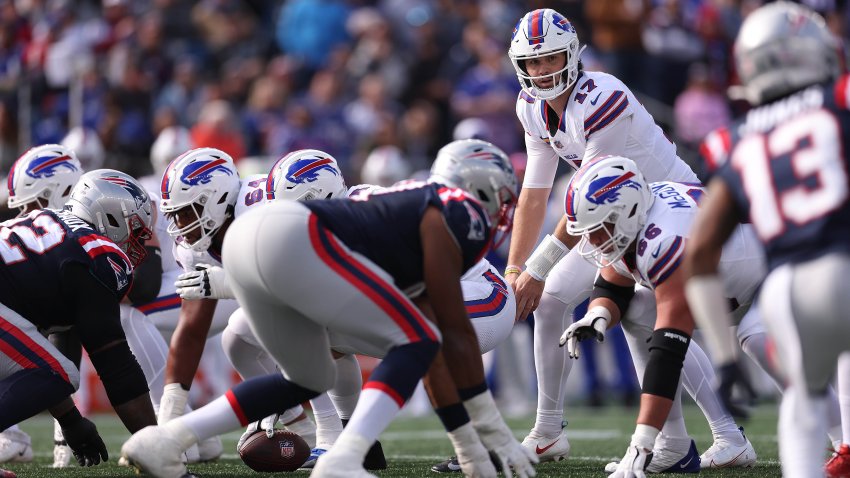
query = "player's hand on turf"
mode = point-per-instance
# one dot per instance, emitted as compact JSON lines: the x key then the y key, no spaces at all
{"x":511,"y":454}
{"x":85,"y":442}
{"x":634,"y":463}
{"x":729,"y":375}
{"x":205,"y":282}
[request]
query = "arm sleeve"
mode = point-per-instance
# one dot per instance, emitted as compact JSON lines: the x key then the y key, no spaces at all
{"x":147,"y":278}
{"x":96,"y":313}
{"x":542,"y":163}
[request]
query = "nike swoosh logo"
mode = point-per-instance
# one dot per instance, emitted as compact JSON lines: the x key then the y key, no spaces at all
{"x":541,"y":451}
{"x":657,"y":251}
{"x":685,"y":464}
{"x":593,"y":101}
{"x":728,"y":463}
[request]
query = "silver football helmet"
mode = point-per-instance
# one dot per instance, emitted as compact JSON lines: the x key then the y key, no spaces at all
{"x":117,"y":206}
{"x":781,"y":48}
{"x":304,"y":175}
{"x":539,"y":33}
{"x":484,"y":171}
{"x":608,"y":193}
{"x":44,"y":175}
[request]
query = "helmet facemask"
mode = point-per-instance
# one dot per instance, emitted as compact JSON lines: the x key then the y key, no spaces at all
{"x":612,"y":249}
{"x":195,"y":211}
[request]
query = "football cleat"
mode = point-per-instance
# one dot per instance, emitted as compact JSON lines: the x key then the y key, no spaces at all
{"x":548,"y":448}
{"x":449,"y":466}
{"x":15,"y":446}
{"x":7,"y":474}
{"x":723,"y":454}
{"x":153,"y":450}
{"x":62,"y":454}
{"x":339,"y":464}
{"x":210,"y":449}
{"x":668,"y":457}
{"x":838,"y":465}
{"x":375,"y":459}
{"x":315,"y":453}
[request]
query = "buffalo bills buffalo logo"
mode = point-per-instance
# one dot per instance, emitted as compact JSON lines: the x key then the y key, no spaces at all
{"x":47,"y":166}
{"x":607,"y":189}
{"x":202,"y":172}
{"x":307,"y":170}
{"x":562,"y":23}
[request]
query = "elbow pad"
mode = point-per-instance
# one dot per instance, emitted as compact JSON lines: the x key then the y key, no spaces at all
{"x":620,"y":295}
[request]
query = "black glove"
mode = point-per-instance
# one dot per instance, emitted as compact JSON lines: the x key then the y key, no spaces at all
{"x":732,"y":374}
{"x":81,"y":435}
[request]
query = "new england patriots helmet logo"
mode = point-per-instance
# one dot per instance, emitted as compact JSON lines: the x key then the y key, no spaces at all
{"x":607,"y":189}
{"x":140,"y":197}
{"x":47,"y":166}
{"x":201,"y":172}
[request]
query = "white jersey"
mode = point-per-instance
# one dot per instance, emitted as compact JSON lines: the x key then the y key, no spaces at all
{"x":252,"y":193}
{"x":596,"y":122}
{"x":661,"y":245}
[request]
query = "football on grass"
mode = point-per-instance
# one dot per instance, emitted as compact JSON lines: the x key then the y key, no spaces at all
{"x":284,"y":451}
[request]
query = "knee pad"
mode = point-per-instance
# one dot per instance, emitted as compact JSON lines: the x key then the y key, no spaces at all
{"x":667,"y":350}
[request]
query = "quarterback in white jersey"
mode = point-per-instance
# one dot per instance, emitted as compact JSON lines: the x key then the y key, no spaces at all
{"x":574,"y":115}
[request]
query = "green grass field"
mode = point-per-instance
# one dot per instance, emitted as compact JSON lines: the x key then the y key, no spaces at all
{"x":413,"y":445}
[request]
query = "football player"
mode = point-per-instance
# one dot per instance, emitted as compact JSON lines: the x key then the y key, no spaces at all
{"x":373,"y":254}
{"x":786,"y":174}
{"x":572,"y":115}
{"x":635,"y":232}
{"x":64,"y":269}
{"x":200,"y":193}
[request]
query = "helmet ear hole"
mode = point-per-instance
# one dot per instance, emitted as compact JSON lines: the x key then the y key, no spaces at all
{"x":112,"y":221}
{"x":483,"y":196}
{"x":223,"y":198}
{"x":633,"y":211}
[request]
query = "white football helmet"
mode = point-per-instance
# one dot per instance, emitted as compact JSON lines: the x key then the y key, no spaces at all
{"x":205,"y":180}
{"x":385,"y":166}
{"x":304,"y":175}
{"x":609,"y":193}
{"x":539,"y":33}
{"x":485,"y":172}
{"x":117,"y":206}
{"x":87,"y":145}
{"x":171,"y":142}
{"x":43,"y":175}
{"x":783,"y":47}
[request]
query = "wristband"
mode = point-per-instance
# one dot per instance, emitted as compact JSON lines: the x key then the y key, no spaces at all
{"x":513,"y":270}
{"x":544,"y":258}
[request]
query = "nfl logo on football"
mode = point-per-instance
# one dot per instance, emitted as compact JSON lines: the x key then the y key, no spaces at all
{"x":287,"y":448}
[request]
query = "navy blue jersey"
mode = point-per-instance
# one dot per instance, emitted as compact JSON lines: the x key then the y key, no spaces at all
{"x":384,"y":226}
{"x":34,"y":251}
{"x":787,"y":168}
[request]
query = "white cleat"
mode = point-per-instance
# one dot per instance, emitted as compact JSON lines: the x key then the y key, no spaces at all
{"x":548,"y":448}
{"x":339,"y":464}
{"x":153,"y":450}
{"x":210,"y":449}
{"x":723,"y":454}
{"x":62,"y":454}
{"x":15,"y":447}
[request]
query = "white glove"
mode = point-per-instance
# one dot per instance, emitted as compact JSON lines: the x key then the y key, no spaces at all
{"x":471,"y":455}
{"x":172,"y":404}
{"x":593,"y":324}
{"x":498,"y":438}
{"x":639,"y":454}
{"x":205,"y":282}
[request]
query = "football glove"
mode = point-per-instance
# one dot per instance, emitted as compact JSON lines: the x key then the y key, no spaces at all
{"x":633,"y":464}
{"x":205,"y":282}
{"x":729,"y":375}
{"x":498,"y":438}
{"x":82,"y":437}
{"x":472,"y":457}
{"x":594,"y":324}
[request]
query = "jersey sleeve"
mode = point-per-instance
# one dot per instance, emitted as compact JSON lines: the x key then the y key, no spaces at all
{"x":660,"y":258}
{"x":604,"y":109}
{"x":469,"y":225}
{"x":714,"y":150}
{"x":109,"y":264}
